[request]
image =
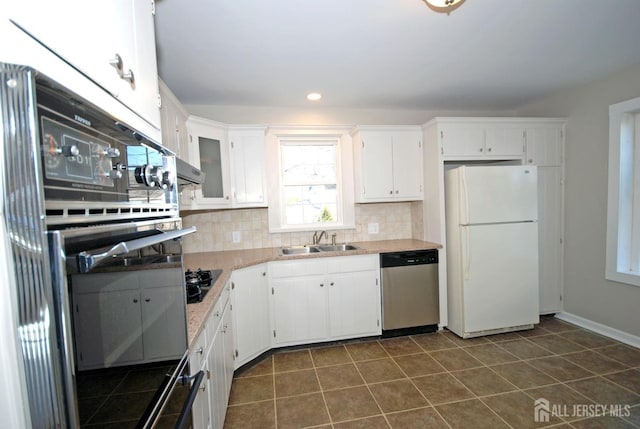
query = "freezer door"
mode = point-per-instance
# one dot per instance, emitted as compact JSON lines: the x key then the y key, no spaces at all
{"x":497,"y":194}
{"x":500,"y":276}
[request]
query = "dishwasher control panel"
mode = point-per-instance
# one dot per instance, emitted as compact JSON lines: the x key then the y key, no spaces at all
{"x":416,"y":257}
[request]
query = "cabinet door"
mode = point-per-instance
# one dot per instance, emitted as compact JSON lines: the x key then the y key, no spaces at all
{"x":108,"y":328}
{"x":550,"y":238}
{"x":163,"y":316}
{"x":504,"y":140}
{"x":57,"y":26}
{"x":407,"y":166}
{"x":229,"y":352}
{"x":462,"y":140}
{"x":209,"y":151}
{"x":199,"y":361}
{"x":249,"y":296}
{"x":544,"y":146}
{"x":217,"y":395}
{"x":377,"y":165}
{"x":300,"y":310}
{"x":354,"y":304}
{"x":135,"y":43}
{"x":248,"y":168}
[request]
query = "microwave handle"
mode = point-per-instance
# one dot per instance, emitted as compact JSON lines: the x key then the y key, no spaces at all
{"x":87,"y":260}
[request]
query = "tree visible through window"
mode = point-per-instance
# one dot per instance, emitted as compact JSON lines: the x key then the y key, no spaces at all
{"x":310,"y":182}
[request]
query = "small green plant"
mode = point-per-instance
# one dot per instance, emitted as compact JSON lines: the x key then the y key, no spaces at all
{"x":325,"y":215}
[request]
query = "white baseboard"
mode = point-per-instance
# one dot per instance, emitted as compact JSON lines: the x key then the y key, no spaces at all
{"x":599,"y":328}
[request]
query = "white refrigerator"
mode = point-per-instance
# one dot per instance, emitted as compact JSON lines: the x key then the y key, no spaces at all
{"x":492,"y":249}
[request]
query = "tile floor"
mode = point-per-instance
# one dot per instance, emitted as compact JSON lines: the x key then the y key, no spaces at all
{"x":441,"y":381}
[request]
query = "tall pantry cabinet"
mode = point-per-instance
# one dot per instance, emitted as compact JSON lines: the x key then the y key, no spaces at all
{"x":531,"y":141}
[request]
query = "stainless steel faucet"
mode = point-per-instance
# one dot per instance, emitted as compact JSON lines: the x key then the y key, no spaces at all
{"x":317,"y":238}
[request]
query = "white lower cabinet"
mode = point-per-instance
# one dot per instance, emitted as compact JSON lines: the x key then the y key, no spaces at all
{"x":325,"y":299}
{"x":213,"y":353}
{"x":251,"y":323}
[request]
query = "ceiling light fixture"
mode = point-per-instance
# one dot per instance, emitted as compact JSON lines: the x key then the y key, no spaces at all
{"x":314,"y":96}
{"x":443,"y":5}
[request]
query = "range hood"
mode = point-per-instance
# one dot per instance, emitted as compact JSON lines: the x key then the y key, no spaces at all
{"x":188,"y":174}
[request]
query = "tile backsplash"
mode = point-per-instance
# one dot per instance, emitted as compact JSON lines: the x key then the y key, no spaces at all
{"x":216,"y":228}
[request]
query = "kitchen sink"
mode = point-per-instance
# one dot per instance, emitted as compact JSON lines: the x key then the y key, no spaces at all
{"x":298,"y":250}
{"x":337,"y":248}
{"x":303,"y":250}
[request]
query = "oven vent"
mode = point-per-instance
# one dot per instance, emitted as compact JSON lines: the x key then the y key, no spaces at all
{"x":75,"y":215}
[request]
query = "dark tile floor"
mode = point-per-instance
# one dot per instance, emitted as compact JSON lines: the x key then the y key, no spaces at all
{"x":441,"y":381}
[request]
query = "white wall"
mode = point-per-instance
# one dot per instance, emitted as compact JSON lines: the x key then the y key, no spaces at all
{"x":586,"y":292}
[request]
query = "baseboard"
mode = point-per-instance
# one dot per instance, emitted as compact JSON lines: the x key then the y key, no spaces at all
{"x":599,"y":328}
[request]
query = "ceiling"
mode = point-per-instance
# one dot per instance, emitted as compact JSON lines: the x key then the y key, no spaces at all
{"x":390,"y":54}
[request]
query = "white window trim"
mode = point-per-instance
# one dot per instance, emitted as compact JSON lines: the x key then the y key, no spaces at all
{"x":619,"y":241}
{"x":344,"y":172}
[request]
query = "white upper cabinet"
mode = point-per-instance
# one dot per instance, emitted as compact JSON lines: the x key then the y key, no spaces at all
{"x":174,"y":123}
{"x":388,"y":164}
{"x":466,"y":139}
{"x":112,"y":43}
{"x":544,"y":144}
{"x":209,"y":151}
{"x":248,"y":171}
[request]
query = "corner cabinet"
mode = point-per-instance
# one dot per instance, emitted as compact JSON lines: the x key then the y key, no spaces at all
{"x":174,"y":123}
{"x":208,"y":150}
{"x":388,"y":163}
{"x":113,"y":43}
{"x":324,"y":299}
{"x":248,"y":166}
{"x":250,"y":298}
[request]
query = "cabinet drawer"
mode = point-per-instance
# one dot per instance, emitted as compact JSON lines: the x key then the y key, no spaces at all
{"x":297,"y":268}
{"x":349,"y":264}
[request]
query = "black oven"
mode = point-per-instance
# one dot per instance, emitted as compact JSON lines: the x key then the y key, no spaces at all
{"x":91,"y":209}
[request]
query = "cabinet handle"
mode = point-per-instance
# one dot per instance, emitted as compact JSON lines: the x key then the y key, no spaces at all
{"x":264,"y":274}
{"x":233,"y":285}
{"x":331,"y":284}
{"x":321,"y":284}
{"x":129,"y":77}
{"x":135,"y":300}
{"x":481,"y":150}
{"x":489,"y":150}
{"x":530,"y":161}
{"x":147,"y":299}
{"x":116,"y":62}
{"x":390,"y":192}
{"x":200,"y":350}
{"x":227,"y":197}
{"x":397,"y":191}
{"x":217,"y":314}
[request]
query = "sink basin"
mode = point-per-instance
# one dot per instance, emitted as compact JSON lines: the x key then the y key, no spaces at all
{"x":298,"y":250}
{"x":337,"y":248}
{"x":166,"y":259}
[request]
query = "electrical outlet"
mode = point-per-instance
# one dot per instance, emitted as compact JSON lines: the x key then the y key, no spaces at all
{"x":236,"y":236}
{"x":373,"y":228}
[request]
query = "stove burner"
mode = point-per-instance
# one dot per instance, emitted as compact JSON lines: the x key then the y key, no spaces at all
{"x":198,"y":283}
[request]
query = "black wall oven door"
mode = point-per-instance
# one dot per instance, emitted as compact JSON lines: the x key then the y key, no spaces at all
{"x":121,"y":311}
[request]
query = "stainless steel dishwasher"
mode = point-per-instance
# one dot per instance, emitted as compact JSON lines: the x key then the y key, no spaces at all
{"x":410,"y":302}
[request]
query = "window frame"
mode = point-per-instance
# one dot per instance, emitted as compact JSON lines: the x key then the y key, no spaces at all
{"x":276,"y":137}
{"x":623,"y":205}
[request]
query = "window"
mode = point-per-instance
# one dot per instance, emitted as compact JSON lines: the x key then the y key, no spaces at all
{"x":311,"y":184}
{"x":623,"y":215}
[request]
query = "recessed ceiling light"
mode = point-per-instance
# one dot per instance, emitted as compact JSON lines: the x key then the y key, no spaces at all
{"x":314,"y":96}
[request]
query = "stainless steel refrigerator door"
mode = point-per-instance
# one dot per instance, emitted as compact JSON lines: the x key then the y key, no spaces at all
{"x":410,"y":296}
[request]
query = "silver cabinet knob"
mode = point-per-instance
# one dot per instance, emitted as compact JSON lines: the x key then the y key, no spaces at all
{"x":129,"y":77}
{"x":116,"y":62}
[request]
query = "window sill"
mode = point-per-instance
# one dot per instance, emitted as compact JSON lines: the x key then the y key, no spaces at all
{"x":626,"y":277}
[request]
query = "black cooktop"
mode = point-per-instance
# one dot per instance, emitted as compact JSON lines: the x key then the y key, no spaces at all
{"x":198,"y":283}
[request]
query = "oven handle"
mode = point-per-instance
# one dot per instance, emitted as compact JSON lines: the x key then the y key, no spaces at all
{"x":186,"y":409}
{"x":87,"y":260}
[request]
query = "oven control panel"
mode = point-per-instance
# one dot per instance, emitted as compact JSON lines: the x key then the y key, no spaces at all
{"x":73,"y":156}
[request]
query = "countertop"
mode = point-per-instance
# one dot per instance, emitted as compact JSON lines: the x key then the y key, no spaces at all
{"x":231,"y":260}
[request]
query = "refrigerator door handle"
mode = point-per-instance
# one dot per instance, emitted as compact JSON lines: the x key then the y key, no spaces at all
{"x":464,"y":196}
{"x":466,"y":251}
